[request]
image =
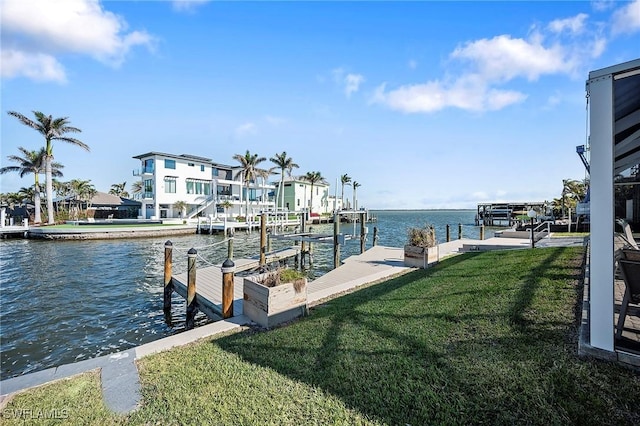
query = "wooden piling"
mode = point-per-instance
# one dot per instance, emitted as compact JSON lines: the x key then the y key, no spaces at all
{"x":168,"y":284}
{"x":191,"y":288}
{"x":459,"y":231}
{"x":228,"y":272}
{"x":375,"y":235}
{"x":482,"y":232}
{"x":310,"y":249}
{"x":362,"y":233}
{"x":230,"y":248}
{"x":303,"y":244}
{"x":448,"y":232}
{"x":336,"y":242}
{"x":263,"y":239}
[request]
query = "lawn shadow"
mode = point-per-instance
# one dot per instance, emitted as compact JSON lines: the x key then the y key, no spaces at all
{"x":401,"y":354}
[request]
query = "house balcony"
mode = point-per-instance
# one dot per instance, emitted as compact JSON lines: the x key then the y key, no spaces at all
{"x":143,"y":171}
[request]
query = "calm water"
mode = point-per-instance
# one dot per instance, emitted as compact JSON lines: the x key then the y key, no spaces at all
{"x":65,"y":301}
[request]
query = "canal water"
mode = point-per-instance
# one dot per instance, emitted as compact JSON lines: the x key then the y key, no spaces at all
{"x":66,"y":301}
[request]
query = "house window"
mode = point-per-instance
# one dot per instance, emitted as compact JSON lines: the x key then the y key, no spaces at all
{"x":148,"y":185}
{"x":190,"y":164}
{"x":148,"y":166}
{"x":190,"y":187}
{"x":199,"y":189}
{"x":207,"y":188}
{"x":202,"y":167}
{"x":169,"y":164}
{"x":215,"y":171}
{"x":169,"y":186}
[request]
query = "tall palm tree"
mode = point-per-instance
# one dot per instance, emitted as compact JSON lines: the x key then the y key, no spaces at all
{"x":283,"y":163}
{"x":345,"y":180}
{"x":63,"y":189}
{"x":355,"y":186}
{"x":53,"y":129}
{"x":119,"y":189}
{"x":32,"y":162}
{"x":312,"y":178}
{"x":249,"y":172}
{"x":83,"y":191}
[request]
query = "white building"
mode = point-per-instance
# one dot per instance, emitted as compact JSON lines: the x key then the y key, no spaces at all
{"x":207,"y":188}
{"x":614,"y":98}
{"x":299,"y":196}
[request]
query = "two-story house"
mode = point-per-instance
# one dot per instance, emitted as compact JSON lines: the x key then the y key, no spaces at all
{"x":298,"y":196}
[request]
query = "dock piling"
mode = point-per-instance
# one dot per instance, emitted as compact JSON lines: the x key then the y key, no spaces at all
{"x":263,"y":239}
{"x":448,"y":232}
{"x":228,"y":271}
{"x":375,"y":235}
{"x":482,"y":231}
{"x":168,"y":284}
{"x":191,"y":288}
{"x":336,"y":243}
{"x":459,"y":231}
{"x":230,"y":248}
{"x":362,"y":232}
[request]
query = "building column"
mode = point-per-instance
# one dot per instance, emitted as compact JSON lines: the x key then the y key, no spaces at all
{"x":602,"y":213}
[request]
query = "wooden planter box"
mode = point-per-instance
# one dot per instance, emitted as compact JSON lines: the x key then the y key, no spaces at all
{"x":420,"y":257}
{"x":269,"y":306}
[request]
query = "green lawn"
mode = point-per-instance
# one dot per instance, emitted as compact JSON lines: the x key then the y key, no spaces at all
{"x":112,"y":225}
{"x":481,"y":338}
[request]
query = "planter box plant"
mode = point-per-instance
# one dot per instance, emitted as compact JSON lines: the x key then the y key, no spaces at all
{"x":421,"y":249}
{"x":275,"y":297}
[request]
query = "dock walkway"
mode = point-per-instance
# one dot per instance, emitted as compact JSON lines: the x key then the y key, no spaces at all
{"x":209,"y":282}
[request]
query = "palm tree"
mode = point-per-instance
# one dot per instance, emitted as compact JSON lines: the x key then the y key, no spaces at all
{"x":53,"y":129}
{"x":137,"y":187}
{"x":283,"y":163}
{"x":226,"y":205}
{"x":313,"y":178}
{"x":181,"y":206}
{"x":118,"y":189}
{"x":355,"y":186}
{"x":249,"y":172}
{"x":63,"y":189}
{"x":82,"y":190}
{"x":345,"y":180}
{"x":32,"y":162}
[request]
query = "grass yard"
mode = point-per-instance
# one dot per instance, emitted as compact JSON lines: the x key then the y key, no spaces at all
{"x":481,"y":338}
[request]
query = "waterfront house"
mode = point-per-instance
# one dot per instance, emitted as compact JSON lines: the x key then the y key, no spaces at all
{"x":201,"y":183}
{"x":614,"y":145}
{"x":297,"y":196}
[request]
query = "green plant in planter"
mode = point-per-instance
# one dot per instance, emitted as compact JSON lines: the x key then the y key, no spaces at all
{"x":422,"y":237}
{"x":284,"y":276}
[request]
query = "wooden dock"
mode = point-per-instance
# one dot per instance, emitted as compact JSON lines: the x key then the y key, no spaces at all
{"x":209,"y":282}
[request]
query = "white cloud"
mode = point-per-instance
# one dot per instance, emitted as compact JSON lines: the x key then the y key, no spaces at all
{"x":479,"y":69}
{"x":626,"y":19}
{"x":42,"y":28}
{"x":275,"y":121}
{"x":601,"y":5}
{"x":187,"y":5}
{"x":246,"y":129}
{"x":36,"y":66}
{"x":574,"y":25}
{"x":349,"y":81}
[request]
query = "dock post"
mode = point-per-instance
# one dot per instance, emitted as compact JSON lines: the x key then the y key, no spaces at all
{"x":362,"y":234}
{"x":336,"y":243}
{"x":198,"y":230}
{"x":303,"y":244}
{"x":375,"y":235}
{"x":482,"y":232}
{"x":533,"y":239}
{"x":459,"y":231}
{"x":168,"y":284}
{"x":228,"y":272}
{"x":310,"y":249}
{"x":448,"y":232}
{"x":263,"y":239}
{"x":230,"y":248}
{"x":191,"y":287}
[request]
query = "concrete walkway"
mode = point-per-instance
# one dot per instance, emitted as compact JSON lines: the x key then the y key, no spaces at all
{"x":119,"y":373}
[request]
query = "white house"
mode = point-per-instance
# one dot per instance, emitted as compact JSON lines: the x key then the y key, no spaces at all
{"x":614,"y":99}
{"x":299,"y":196}
{"x":208,"y":188}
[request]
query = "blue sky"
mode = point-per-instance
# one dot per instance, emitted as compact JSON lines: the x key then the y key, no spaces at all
{"x":425,"y":104}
